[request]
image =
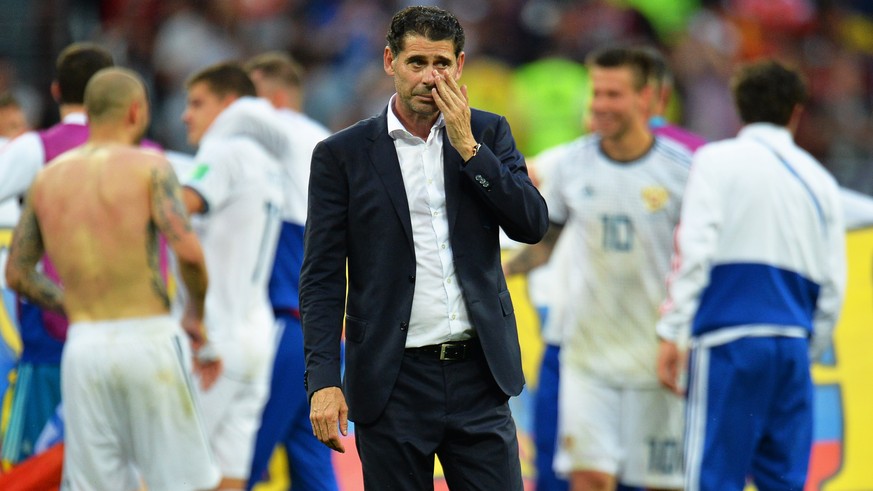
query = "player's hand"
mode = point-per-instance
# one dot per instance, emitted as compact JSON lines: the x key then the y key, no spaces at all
{"x":207,"y":364}
{"x":193,"y":326}
{"x":454,"y":104}
{"x":329,"y":412}
{"x":670,"y":362}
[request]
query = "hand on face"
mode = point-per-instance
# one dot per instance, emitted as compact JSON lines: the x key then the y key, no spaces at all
{"x":454,"y":104}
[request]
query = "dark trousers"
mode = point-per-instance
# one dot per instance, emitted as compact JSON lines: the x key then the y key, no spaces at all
{"x":452,"y":409}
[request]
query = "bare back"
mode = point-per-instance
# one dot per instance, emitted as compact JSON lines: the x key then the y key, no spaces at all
{"x":95,"y":211}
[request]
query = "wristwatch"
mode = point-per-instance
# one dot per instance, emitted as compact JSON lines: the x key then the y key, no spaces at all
{"x":476,"y":148}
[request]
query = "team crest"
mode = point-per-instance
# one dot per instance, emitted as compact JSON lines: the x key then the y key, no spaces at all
{"x":655,"y":197}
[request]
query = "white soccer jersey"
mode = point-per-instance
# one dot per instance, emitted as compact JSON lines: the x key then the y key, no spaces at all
{"x":620,"y":218}
{"x":241,"y":184}
{"x":305,"y":133}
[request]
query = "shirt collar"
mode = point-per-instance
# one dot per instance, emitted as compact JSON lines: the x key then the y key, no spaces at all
{"x":76,"y":118}
{"x":395,"y":127}
{"x":767,"y":131}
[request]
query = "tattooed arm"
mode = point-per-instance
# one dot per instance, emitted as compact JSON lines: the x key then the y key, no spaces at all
{"x":25,"y":253}
{"x":171,"y":219}
{"x":534,"y":255}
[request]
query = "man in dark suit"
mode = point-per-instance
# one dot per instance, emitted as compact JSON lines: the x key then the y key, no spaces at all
{"x":409,"y":204}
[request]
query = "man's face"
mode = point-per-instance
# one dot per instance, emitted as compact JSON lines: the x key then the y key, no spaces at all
{"x":201,"y":110}
{"x":413,"y":69}
{"x":616,"y":106}
{"x":12,"y":122}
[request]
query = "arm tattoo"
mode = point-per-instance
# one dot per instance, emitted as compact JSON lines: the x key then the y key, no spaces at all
{"x":153,"y":253}
{"x":170,"y":212}
{"x":25,"y":253}
{"x":171,"y":219}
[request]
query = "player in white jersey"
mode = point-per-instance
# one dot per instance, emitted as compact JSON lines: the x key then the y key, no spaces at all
{"x":758,"y":286}
{"x":236,"y":185}
{"x":285,"y":419}
{"x":614,"y":200}
{"x":12,"y":124}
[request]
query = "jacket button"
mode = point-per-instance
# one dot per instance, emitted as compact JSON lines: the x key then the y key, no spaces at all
{"x":412,"y":278}
{"x":404,"y":325}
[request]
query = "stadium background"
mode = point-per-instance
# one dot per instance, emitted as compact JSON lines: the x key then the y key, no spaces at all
{"x":524,"y":61}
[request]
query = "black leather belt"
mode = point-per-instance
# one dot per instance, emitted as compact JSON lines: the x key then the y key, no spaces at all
{"x":450,"y":351}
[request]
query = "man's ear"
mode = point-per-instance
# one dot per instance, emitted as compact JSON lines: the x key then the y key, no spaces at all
{"x":461,"y":58}
{"x":228,"y":100}
{"x":133,"y":111}
{"x":388,"y":61}
{"x":56,"y":91}
{"x":647,"y":95}
{"x":794,"y":120}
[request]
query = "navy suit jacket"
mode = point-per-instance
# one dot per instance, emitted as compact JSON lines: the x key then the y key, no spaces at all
{"x":359,"y":219}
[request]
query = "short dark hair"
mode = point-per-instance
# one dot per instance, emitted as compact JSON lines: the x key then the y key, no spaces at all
{"x":623,"y":56}
{"x":75,"y":66}
{"x":767,"y":92}
{"x":433,"y":23}
{"x":277,"y":65}
{"x":660,"y":72}
{"x":223,"y":79}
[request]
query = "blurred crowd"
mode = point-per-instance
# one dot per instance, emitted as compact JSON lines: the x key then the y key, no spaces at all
{"x":524,"y":58}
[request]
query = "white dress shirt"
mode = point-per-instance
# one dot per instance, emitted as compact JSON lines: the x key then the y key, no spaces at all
{"x":438,"y":310}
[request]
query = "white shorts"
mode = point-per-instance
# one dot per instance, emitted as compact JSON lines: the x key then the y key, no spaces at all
{"x":231,"y":415}
{"x":130,"y":411}
{"x":634,"y":434}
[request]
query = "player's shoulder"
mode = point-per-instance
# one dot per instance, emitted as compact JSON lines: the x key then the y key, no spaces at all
{"x":148,"y":157}
{"x":227,"y":148}
{"x":302,"y":122}
{"x":138,"y":164}
{"x":581,"y":151}
{"x":565,"y":153}
{"x":673,"y":152}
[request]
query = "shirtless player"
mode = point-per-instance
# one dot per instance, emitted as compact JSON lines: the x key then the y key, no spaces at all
{"x":97,"y":213}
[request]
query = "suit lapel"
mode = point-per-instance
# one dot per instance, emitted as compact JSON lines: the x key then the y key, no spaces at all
{"x":383,"y":157}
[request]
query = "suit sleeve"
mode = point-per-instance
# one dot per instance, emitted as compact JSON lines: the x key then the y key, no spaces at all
{"x":323,"y":275}
{"x":499,"y":174}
